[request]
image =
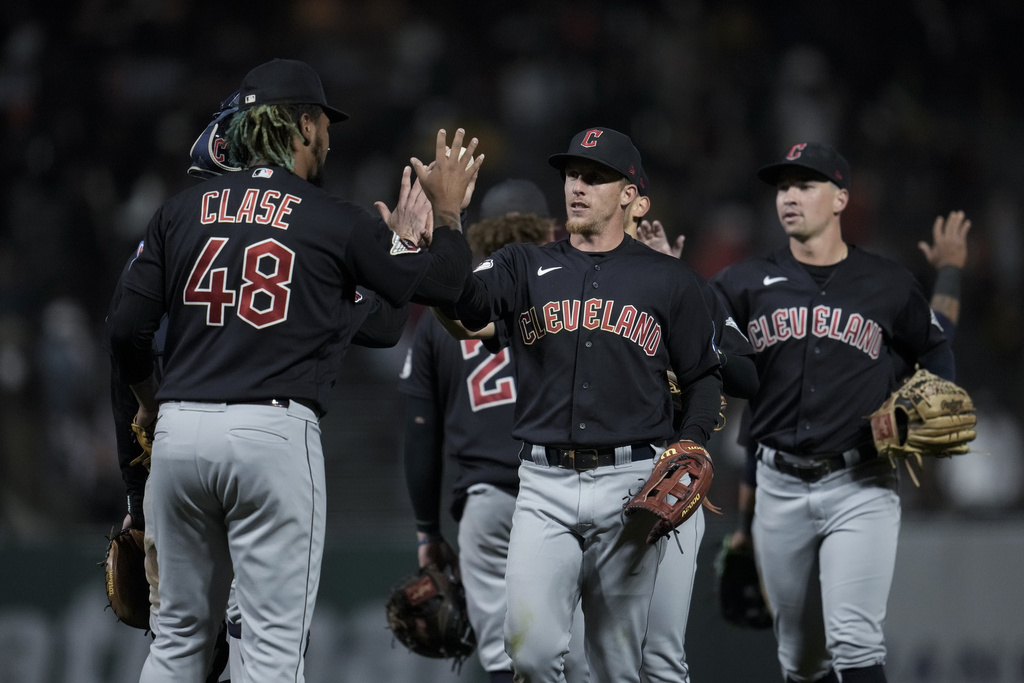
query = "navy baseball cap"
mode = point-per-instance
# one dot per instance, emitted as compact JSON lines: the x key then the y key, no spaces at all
{"x":209,"y":152}
{"x":520,"y":196}
{"x":814,"y":156}
{"x":285,"y":81}
{"x":608,"y":147}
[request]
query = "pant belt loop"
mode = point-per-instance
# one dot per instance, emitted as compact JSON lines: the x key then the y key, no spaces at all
{"x":539,"y":455}
{"x":623,"y":455}
{"x":766,"y":454}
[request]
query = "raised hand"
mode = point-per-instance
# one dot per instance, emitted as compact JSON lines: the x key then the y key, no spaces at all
{"x":652,"y":233}
{"x":411,"y":219}
{"x":949,"y":241}
{"x":448,"y":180}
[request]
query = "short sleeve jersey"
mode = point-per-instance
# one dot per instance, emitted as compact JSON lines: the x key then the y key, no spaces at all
{"x":476,"y":392}
{"x":825,"y":353}
{"x":593,"y":335}
{"x":257,"y":271}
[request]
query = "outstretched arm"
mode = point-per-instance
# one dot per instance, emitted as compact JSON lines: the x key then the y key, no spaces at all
{"x":456,"y":329}
{"x":948,"y":255}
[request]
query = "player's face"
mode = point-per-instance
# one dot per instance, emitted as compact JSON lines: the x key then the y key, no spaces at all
{"x":593,"y":197}
{"x":320,"y":145}
{"x":807,"y":205}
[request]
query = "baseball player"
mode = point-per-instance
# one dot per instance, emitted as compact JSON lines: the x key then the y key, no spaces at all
{"x":376,"y":324}
{"x":664,"y":650}
{"x":461,"y":398}
{"x":832,"y":326}
{"x":948,"y":255}
{"x":595,"y":321}
{"x":256,"y":271}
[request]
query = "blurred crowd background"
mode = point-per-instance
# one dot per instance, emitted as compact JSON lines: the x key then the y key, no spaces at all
{"x":100,"y":101}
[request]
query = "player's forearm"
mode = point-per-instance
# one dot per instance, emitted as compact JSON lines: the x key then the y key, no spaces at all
{"x":739,"y":375}
{"x":940,"y":361}
{"x":145,"y":394}
{"x":450,"y":265}
{"x":384,"y":327}
{"x":424,"y":464}
{"x":473,"y":308}
{"x":132,"y":327}
{"x":701,"y":401}
{"x":946,"y":296}
{"x":459,"y":331}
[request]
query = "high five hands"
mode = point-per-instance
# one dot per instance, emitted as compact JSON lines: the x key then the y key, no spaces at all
{"x":438,"y":194}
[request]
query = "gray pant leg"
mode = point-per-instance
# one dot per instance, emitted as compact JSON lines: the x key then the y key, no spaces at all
{"x":664,"y":653}
{"x":826,"y":552}
{"x":483,"y":551}
{"x":190,"y":540}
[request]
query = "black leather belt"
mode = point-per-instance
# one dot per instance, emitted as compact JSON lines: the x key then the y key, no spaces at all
{"x":817,"y":466}
{"x":282,"y":403}
{"x":584,"y":459}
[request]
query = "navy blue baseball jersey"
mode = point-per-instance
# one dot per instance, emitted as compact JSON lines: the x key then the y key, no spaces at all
{"x":862,"y":314}
{"x":264,"y":265}
{"x":476,"y":392}
{"x":376,"y":324}
{"x":604,"y":328}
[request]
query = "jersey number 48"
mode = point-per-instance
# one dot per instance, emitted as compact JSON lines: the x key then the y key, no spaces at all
{"x":264,"y":294}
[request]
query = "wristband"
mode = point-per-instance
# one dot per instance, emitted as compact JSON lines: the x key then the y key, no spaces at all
{"x":432,"y":538}
{"x":947,"y":282}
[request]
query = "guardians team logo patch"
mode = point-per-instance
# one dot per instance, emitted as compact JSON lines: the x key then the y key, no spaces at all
{"x":484,"y":265}
{"x":401,"y":245}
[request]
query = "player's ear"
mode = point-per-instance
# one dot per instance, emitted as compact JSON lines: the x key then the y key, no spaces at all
{"x":307,"y":129}
{"x":641,"y":206}
{"x":841,"y":199}
{"x":629,"y":193}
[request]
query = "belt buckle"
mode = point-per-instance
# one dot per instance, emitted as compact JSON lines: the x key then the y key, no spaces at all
{"x":582,"y":459}
{"x":823,"y":469}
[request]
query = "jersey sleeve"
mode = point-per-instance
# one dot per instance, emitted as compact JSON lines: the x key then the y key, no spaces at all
{"x":918,"y":336}
{"x":377,"y":258}
{"x":489,"y":293}
{"x":145,"y":274}
{"x":380,"y":325}
{"x":692,"y":347}
{"x":722,"y":283}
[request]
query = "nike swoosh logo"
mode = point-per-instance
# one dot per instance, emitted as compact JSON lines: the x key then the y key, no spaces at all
{"x":545,"y":271}
{"x":773,"y":280}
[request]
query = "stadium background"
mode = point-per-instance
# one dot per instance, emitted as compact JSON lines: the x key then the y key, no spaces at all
{"x":100,"y":101}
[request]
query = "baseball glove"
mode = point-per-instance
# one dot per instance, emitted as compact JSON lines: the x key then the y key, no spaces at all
{"x":666,"y":497}
{"x":426,"y":612}
{"x":125,"y":578}
{"x":145,"y":439}
{"x":925,"y":416}
{"x":739,"y":588}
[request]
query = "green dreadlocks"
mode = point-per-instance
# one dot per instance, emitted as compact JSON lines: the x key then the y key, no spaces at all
{"x":266,"y":132}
